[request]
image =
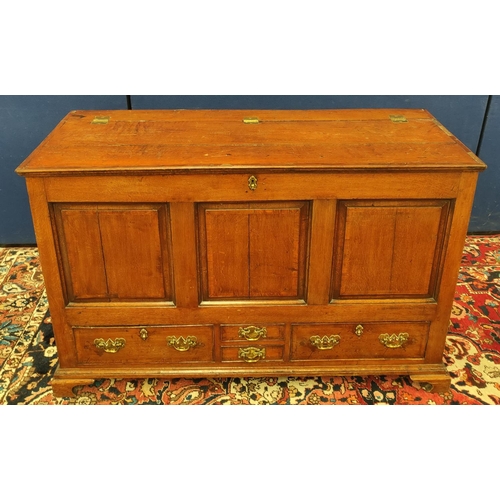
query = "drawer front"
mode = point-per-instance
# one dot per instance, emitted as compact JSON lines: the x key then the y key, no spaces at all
{"x":328,"y":341}
{"x":252,"y":354}
{"x":252,"y":332}
{"x":146,"y":345}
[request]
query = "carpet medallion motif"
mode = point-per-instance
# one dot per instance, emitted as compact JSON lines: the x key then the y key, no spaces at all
{"x":28,"y":354}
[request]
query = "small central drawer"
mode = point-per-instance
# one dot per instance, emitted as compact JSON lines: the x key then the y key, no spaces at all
{"x":254,"y":353}
{"x":252,"y":332}
{"x":143,"y":345}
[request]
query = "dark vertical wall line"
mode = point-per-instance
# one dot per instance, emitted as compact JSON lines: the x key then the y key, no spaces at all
{"x":129,"y":102}
{"x":483,"y":125}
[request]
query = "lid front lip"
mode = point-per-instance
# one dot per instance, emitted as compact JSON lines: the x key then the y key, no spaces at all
{"x":322,"y":114}
{"x":230,"y":168}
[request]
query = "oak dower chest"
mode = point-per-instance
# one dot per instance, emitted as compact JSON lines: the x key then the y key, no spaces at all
{"x":250,"y":243}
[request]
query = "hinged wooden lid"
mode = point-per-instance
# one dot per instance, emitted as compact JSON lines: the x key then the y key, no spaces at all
{"x":191,"y":140}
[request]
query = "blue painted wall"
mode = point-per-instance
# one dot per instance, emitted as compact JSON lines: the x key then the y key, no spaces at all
{"x":26,"y":120}
{"x":486,"y":211}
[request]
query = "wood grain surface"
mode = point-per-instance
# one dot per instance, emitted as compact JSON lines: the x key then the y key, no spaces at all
{"x":149,"y":220}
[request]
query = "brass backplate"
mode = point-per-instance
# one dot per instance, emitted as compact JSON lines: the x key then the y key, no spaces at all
{"x":252,"y":182}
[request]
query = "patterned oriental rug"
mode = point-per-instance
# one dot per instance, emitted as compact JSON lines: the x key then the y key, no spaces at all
{"x":28,"y":354}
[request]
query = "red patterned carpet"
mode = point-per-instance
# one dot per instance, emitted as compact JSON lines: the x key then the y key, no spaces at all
{"x":28,"y":355}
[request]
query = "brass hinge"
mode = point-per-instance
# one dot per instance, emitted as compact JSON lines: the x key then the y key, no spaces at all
{"x":398,"y":118}
{"x":251,"y":120}
{"x":100,"y":120}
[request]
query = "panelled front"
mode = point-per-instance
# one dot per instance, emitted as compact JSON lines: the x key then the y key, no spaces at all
{"x":253,"y":250}
{"x":246,"y":252}
{"x":114,"y":252}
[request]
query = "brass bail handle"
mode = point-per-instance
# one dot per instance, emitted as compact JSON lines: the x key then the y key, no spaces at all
{"x":182,"y":344}
{"x":110,"y":345}
{"x":252,"y":333}
{"x":324,"y":343}
{"x":252,"y":354}
{"x":394,"y":340}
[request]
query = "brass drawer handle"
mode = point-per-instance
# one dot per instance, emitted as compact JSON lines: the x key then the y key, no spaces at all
{"x":395,"y":340}
{"x":324,"y":343}
{"x":252,"y":182}
{"x":252,"y":333}
{"x":109,"y":345}
{"x":359,"y":330}
{"x":143,"y":334}
{"x":252,"y":354}
{"x":182,"y":344}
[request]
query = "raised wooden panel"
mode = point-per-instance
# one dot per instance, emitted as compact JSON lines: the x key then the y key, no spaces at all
{"x":388,"y":249}
{"x":275,"y":252}
{"x":253,"y":250}
{"x":115,"y":252}
{"x":227,"y":253}
{"x":80,"y":242}
{"x":133,"y":253}
{"x":416,"y":233}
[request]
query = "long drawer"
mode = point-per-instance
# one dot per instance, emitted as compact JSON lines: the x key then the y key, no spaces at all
{"x":143,"y":345}
{"x":327,"y":341}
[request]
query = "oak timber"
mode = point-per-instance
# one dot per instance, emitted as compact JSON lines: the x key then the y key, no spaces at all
{"x":200,"y":243}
